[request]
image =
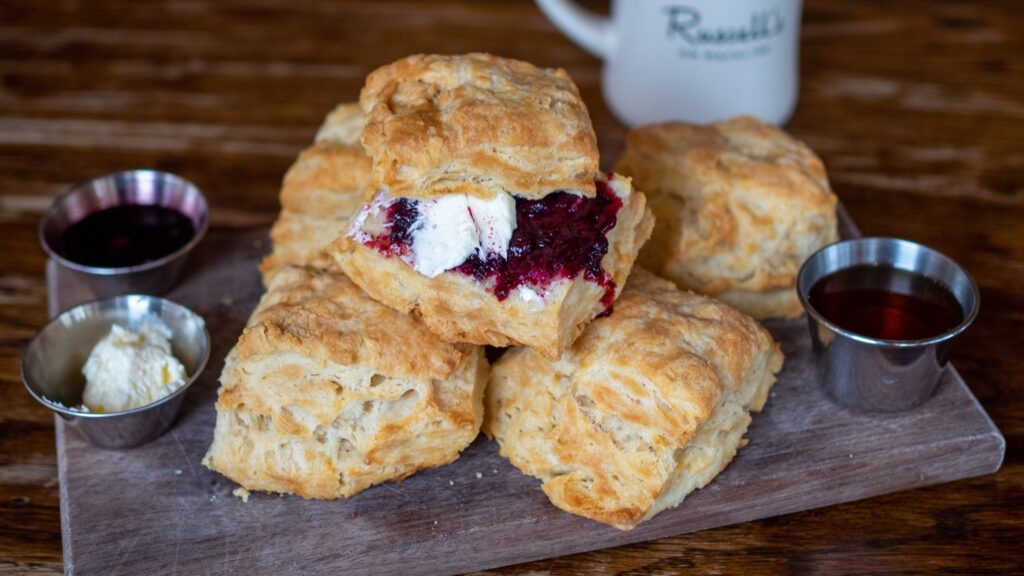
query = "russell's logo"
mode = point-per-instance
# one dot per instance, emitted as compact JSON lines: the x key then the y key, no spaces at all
{"x":685,"y":22}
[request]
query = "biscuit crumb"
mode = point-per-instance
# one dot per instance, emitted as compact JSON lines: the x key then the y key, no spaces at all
{"x":227,"y":301}
{"x":354,"y":514}
{"x":241,"y":493}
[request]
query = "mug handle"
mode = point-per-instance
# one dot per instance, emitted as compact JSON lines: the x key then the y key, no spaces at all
{"x":592,"y":32}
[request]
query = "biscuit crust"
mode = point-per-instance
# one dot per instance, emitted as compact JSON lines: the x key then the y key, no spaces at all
{"x":343,"y":125}
{"x":300,"y":240}
{"x":476,"y":124}
{"x":460,"y":309}
{"x":649,"y":404}
{"x":321,"y":192}
{"x":327,"y":180}
{"x":328,"y":392}
{"x":740,"y":205}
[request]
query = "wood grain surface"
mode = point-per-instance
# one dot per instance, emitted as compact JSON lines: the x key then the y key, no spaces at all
{"x":915,"y":107}
{"x":169,"y":514}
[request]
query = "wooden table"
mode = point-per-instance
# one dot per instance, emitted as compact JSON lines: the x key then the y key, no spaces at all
{"x":915,"y":106}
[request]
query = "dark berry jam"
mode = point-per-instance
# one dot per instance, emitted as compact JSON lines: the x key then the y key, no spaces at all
{"x":398,"y":224}
{"x":126,"y":235}
{"x":558,"y":236}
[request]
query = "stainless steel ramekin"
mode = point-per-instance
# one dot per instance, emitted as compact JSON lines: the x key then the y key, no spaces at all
{"x":870,"y":374}
{"x":52,"y":365}
{"x":147,"y":187}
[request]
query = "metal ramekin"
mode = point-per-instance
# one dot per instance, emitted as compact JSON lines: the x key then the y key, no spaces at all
{"x":870,"y":374}
{"x":147,"y":187}
{"x":52,"y":365}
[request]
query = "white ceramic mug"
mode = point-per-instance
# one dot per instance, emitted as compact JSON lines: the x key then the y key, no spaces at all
{"x":692,"y":60}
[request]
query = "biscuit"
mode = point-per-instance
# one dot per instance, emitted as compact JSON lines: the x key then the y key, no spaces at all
{"x":739,"y":205}
{"x":327,"y":180}
{"x":343,"y":125}
{"x":328,"y":392}
{"x":459,"y":307}
{"x":301,"y":240}
{"x":320,"y":193}
{"x":649,"y":404}
{"x":476,"y":124}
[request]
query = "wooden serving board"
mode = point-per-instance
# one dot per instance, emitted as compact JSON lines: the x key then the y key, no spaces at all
{"x":156,"y":510}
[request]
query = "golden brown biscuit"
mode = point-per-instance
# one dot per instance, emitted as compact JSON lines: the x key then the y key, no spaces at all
{"x":328,"y":392}
{"x":327,"y":181}
{"x":649,"y":404}
{"x":343,"y":125}
{"x":459,"y":307}
{"x":476,"y":124}
{"x":739,"y":205}
{"x":320,"y":193}
{"x":301,"y":240}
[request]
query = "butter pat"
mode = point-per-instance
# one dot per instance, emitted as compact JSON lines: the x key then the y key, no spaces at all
{"x":452,"y":228}
{"x":447,"y":230}
{"x":128,"y":369}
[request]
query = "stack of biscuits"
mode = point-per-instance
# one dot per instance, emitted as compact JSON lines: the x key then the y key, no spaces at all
{"x":327,"y":391}
{"x":460,"y":205}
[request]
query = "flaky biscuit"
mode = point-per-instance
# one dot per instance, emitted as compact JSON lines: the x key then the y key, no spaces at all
{"x":460,"y":309}
{"x":739,"y":205}
{"x":301,"y":240}
{"x":327,"y":180}
{"x":328,"y":392}
{"x":343,"y":125}
{"x":320,"y":193}
{"x":649,"y":404}
{"x":476,"y":124}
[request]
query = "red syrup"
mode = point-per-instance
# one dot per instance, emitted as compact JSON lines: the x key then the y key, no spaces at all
{"x":886,"y":303}
{"x":556,"y":237}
